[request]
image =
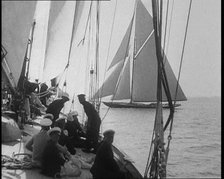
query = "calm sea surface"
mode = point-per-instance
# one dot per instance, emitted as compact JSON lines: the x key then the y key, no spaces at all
{"x":195,"y":149}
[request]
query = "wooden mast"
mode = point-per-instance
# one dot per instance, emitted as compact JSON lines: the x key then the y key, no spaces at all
{"x":158,"y":165}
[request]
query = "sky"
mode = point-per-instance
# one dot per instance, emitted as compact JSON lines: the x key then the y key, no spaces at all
{"x":201,"y":68}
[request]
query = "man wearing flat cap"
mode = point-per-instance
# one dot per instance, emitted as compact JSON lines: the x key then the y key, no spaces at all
{"x":38,"y":142}
{"x":93,"y":124}
{"x":52,"y":158}
{"x":105,"y":165}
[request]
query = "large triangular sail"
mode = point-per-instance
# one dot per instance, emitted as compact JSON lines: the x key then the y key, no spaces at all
{"x":145,"y":64}
{"x":109,"y":86}
{"x":144,"y":72}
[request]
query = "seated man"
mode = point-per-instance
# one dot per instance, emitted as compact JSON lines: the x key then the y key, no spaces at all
{"x":52,"y":157}
{"x":64,"y":138}
{"x":38,"y":142}
{"x":105,"y":165}
{"x":75,"y":131}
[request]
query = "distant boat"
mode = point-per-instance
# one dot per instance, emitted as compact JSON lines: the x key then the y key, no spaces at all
{"x":135,"y":69}
{"x":135,"y":105}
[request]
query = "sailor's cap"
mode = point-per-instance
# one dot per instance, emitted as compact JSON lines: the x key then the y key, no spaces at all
{"x":81,"y":95}
{"x":45,"y":122}
{"x":66,"y":95}
{"x":48,"y":115}
{"x":108,"y":132}
{"x":54,"y":129}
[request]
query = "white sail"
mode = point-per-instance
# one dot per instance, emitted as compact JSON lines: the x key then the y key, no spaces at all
{"x":17,"y":19}
{"x":144,"y":65}
{"x":143,"y":25}
{"x":65,"y":31}
{"x":59,"y":35}
{"x":41,"y":18}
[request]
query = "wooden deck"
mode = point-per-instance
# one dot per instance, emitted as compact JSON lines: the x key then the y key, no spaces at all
{"x":19,"y":147}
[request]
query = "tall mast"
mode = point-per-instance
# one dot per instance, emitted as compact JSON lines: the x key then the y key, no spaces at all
{"x":30,"y":42}
{"x":158,"y":161}
{"x":25,"y":68}
{"x":133,"y":58}
{"x":97,"y":104}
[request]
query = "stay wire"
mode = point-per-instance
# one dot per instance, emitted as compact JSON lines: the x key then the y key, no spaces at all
{"x":171,"y":124}
{"x":107,"y":59}
{"x":185,"y":36}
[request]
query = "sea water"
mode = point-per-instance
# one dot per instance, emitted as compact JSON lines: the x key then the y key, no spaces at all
{"x":195,"y":149}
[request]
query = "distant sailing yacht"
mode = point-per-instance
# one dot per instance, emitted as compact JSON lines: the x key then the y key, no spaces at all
{"x":134,"y":68}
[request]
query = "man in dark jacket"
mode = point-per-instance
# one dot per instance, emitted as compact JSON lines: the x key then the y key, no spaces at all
{"x":105,"y":165}
{"x":52,"y":157}
{"x":56,"y":106}
{"x":75,"y":131}
{"x":93,"y":124}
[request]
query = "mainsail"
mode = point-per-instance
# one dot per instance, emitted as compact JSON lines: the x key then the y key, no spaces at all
{"x":16,"y":15}
{"x":37,"y":57}
{"x":143,"y":75}
{"x":57,"y":52}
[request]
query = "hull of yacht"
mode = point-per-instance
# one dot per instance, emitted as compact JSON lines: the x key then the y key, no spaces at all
{"x":135,"y":105}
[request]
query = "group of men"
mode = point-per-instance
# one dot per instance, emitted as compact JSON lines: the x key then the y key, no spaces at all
{"x":57,"y":139}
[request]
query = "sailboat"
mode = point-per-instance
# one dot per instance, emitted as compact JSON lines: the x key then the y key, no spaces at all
{"x":140,"y":69}
{"x":133,"y":70}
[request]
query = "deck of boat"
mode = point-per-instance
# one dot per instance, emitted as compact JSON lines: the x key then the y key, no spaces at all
{"x":19,"y":147}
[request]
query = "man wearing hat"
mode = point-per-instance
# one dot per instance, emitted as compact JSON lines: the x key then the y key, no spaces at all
{"x":38,"y":142}
{"x":75,"y":131}
{"x":93,"y":124}
{"x":105,"y":165}
{"x":56,"y":106}
{"x":64,"y":139}
{"x":52,"y":157}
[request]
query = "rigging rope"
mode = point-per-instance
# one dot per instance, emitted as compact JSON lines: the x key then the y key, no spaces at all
{"x":168,"y":39}
{"x":107,"y":60}
{"x":154,"y":171}
{"x":189,"y":10}
{"x":164,"y":39}
{"x":171,"y":124}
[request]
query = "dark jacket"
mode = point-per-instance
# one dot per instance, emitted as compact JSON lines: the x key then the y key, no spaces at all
{"x":52,"y":160}
{"x":73,"y":128}
{"x":94,"y":120}
{"x":105,"y":165}
{"x":55,"y":107}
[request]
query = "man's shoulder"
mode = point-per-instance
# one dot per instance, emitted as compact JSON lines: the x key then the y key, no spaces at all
{"x":55,"y":103}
